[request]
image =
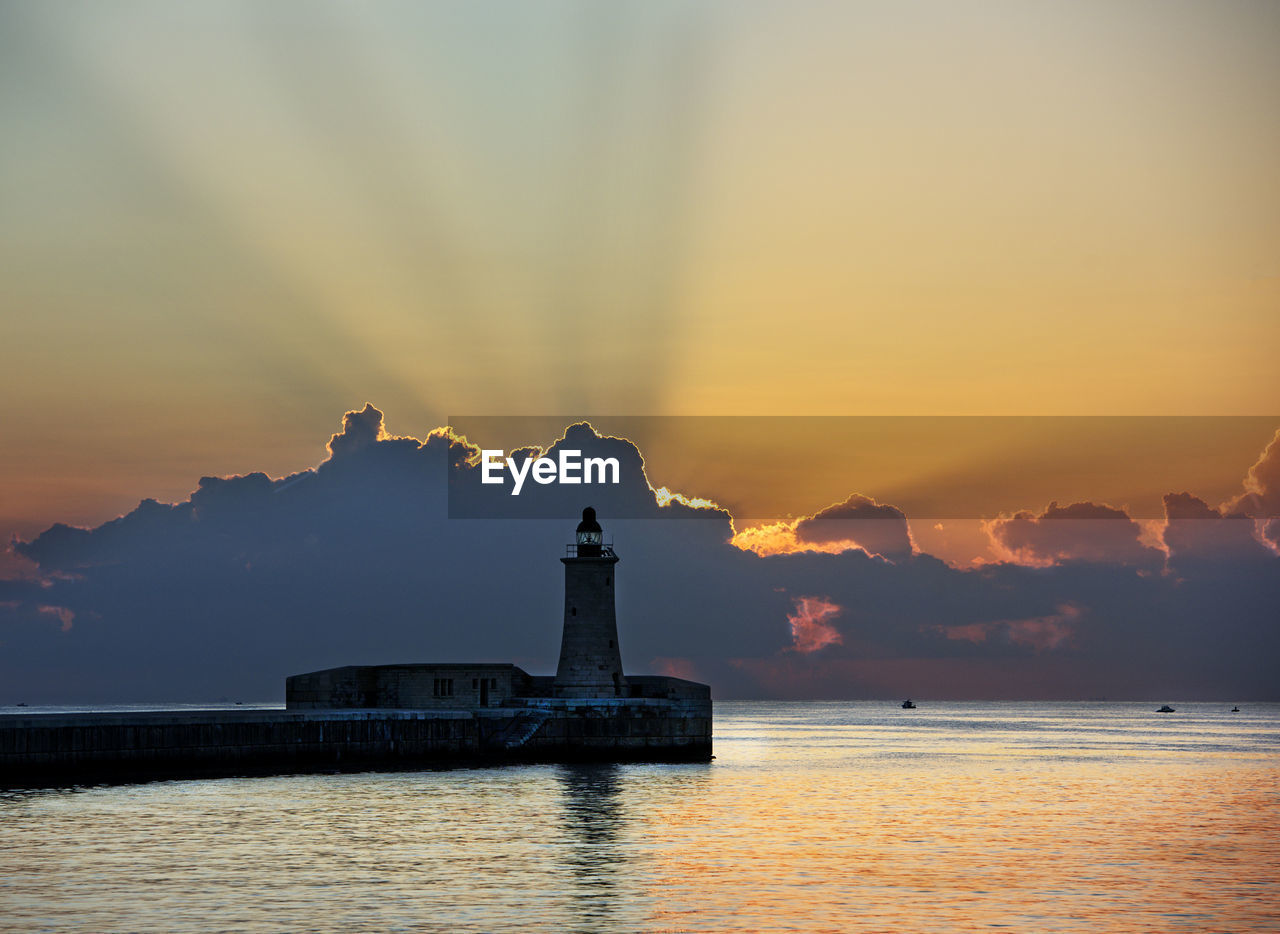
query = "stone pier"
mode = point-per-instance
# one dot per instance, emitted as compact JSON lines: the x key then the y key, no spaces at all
{"x":45,"y":750}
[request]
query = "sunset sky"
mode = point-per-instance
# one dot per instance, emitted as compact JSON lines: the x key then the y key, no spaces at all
{"x":224,"y":224}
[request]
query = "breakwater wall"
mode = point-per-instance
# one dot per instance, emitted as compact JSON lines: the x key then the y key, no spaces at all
{"x":45,"y":750}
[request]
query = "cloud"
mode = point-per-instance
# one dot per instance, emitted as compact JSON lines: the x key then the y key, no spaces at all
{"x":1261,"y":496}
{"x":1078,"y":532}
{"x":632,"y":497}
{"x":877,"y":528}
{"x":1196,"y":532}
{"x":364,"y":559}
{"x":1271,"y":532}
{"x":359,"y":430}
{"x":675,"y":667}
{"x":810,"y":626}
{"x":1040,"y":633}
{"x":773,"y":538}
{"x":63,"y":615}
{"x":857,"y":523}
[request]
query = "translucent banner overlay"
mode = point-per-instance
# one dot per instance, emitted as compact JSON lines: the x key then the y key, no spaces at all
{"x":764,"y":468}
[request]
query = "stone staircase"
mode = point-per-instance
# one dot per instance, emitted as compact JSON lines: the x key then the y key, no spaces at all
{"x":524,"y":728}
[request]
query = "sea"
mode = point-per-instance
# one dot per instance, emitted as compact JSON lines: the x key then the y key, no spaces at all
{"x":953,"y":817}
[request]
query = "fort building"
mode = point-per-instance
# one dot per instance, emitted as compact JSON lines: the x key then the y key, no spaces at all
{"x":400,"y":716}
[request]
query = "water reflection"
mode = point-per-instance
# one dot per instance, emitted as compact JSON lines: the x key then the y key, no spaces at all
{"x":593,"y":821}
{"x":828,"y":817}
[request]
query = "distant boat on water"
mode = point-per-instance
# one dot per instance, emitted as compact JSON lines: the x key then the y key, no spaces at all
{"x":20,"y":704}
{"x":1235,"y":709}
{"x":907,"y":705}
{"x":1166,"y":709}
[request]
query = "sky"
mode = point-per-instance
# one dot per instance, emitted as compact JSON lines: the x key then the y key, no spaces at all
{"x":741,"y":226}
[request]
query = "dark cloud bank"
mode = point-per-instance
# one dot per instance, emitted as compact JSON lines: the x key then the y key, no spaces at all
{"x":358,"y":562}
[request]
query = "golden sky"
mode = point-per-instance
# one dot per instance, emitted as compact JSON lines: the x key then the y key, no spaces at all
{"x":224,"y":224}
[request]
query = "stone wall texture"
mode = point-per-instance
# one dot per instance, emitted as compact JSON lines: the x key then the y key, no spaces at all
{"x":590,"y":660}
{"x":407,"y":686}
{"x":42,"y":750}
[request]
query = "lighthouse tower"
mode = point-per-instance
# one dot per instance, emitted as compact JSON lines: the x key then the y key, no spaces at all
{"x":590,"y":660}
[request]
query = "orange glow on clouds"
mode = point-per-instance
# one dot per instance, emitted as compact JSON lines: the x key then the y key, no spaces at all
{"x":791,"y":536}
{"x":675,"y":667}
{"x":779,"y":538}
{"x":1039,"y":632}
{"x":63,"y":615}
{"x":810,"y":628}
{"x":666,"y":497}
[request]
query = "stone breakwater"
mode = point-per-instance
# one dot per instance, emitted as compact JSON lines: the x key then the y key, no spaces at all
{"x":47,"y":750}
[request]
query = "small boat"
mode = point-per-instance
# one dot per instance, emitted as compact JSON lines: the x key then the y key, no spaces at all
{"x":20,"y":704}
{"x":907,"y":705}
{"x":1166,"y":709}
{"x":1235,"y":709}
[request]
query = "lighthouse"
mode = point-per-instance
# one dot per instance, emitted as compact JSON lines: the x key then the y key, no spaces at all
{"x":590,"y":660}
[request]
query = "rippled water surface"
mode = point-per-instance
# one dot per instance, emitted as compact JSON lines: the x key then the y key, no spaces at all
{"x":814,"y":816}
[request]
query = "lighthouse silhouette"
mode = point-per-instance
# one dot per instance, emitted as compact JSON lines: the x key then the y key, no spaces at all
{"x":590,"y":660}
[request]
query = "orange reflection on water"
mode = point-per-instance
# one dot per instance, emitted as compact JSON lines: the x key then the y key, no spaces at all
{"x":902,"y":827}
{"x":813,"y":817}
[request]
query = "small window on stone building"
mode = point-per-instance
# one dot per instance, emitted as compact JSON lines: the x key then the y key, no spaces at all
{"x":475,"y":683}
{"x":442,"y":687}
{"x":493,"y":682}
{"x":573,"y":611}
{"x":606,"y":582}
